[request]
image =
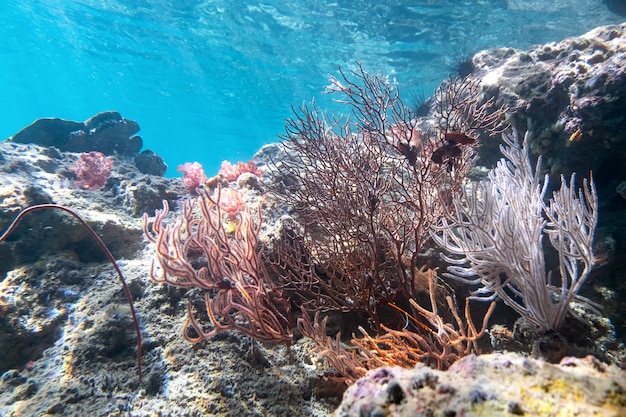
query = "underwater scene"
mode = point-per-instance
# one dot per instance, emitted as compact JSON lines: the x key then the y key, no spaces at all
{"x":298,"y":208}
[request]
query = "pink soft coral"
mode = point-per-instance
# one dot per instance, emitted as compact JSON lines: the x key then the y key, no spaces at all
{"x":230,"y":202}
{"x":232,"y":172}
{"x":193,"y":175}
{"x":92,"y":170}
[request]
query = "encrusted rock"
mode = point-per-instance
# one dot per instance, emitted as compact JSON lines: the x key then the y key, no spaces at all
{"x":491,"y":385}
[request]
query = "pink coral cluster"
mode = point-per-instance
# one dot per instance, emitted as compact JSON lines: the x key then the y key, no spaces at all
{"x":230,"y":202}
{"x":232,"y":172}
{"x":193,"y":175}
{"x":92,"y":170}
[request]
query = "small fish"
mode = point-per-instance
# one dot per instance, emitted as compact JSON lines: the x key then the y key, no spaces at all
{"x":452,"y":148}
{"x":576,"y":136}
{"x":409,"y":149}
{"x":224,"y":284}
{"x":460,"y":138}
{"x":410,"y":152}
{"x":446,"y":152}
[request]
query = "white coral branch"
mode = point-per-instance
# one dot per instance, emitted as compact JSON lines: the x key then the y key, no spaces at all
{"x":494,"y":237}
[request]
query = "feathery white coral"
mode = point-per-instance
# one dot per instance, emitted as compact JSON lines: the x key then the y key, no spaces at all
{"x":494,"y":237}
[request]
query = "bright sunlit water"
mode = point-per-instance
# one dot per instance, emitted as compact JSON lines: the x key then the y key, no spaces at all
{"x":214,"y":80}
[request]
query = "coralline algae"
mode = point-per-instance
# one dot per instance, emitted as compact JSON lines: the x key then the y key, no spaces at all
{"x":491,"y":385}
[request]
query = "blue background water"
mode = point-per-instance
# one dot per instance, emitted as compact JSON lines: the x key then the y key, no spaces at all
{"x":214,"y":80}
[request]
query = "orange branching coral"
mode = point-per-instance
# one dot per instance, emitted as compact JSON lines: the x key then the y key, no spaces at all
{"x":238,"y":294}
{"x":430,"y":340}
{"x":436,"y":343}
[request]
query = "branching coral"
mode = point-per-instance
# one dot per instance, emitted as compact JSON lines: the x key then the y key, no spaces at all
{"x":237,"y":291}
{"x":425,"y":338}
{"x":495,"y":232}
{"x":366,"y":193}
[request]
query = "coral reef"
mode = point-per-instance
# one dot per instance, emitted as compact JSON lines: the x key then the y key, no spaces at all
{"x":66,"y":336}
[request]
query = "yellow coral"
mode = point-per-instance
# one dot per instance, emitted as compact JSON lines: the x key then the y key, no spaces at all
{"x":230,"y":226}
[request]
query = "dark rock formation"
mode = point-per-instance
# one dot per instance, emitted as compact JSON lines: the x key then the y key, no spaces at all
{"x":570,"y":97}
{"x":106,"y":132}
{"x":147,"y":162}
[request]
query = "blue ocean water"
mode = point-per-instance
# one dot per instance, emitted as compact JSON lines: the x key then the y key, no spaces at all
{"x":209,"y":80}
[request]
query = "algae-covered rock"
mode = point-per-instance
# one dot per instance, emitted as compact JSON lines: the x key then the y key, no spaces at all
{"x":491,"y":385}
